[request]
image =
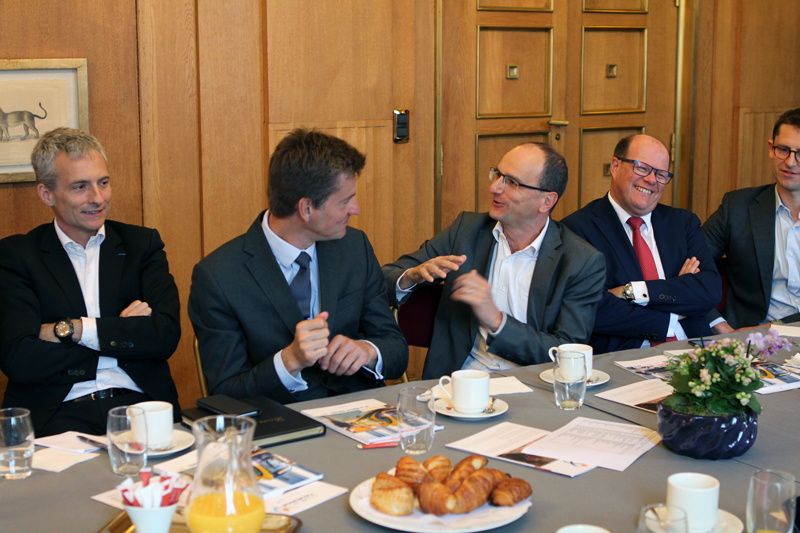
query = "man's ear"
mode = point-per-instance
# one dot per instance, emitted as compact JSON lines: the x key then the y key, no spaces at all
{"x":549,"y":202}
{"x":304,"y":207}
{"x":44,"y":194}
{"x":614,"y":166}
{"x":771,"y":149}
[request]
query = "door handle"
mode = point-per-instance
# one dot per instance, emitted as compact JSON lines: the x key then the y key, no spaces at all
{"x":558,"y":122}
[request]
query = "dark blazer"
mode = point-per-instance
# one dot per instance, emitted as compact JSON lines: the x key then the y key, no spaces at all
{"x":565,"y":288}
{"x":622,"y":325}
{"x":243,"y":313}
{"x":38,"y":285}
{"x":743,"y":228}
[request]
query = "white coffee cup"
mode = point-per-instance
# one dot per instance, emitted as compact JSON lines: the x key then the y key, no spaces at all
{"x":585,"y":349}
{"x":470,"y":390}
{"x":582,"y":528}
{"x":158,"y":417}
{"x":698,"y":495}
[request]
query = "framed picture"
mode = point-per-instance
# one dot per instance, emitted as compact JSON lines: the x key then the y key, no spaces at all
{"x":36,"y":96}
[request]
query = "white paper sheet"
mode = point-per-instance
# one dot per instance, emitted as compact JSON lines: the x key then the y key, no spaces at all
{"x":69,"y":442}
{"x":642,"y":394}
{"x":611,"y":445}
{"x":787,"y":331}
{"x":55,"y":460}
{"x":308,"y":496}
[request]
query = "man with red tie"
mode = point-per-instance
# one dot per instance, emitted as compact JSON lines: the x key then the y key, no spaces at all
{"x":660,"y":276}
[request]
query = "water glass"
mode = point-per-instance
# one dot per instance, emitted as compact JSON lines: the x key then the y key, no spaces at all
{"x":662,"y":518}
{"x":127,"y":449}
{"x":416,"y":420}
{"x":569,"y":380}
{"x":16,"y":443}
{"x":771,"y":502}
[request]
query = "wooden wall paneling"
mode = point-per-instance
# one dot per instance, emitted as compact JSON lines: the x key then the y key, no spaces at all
{"x":231,"y":100}
{"x":171,"y":155}
{"x":626,"y":50}
{"x":631,"y":6}
{"x":597,"y":149}
{"x":755,"y":129}
{"x":516,"y":5}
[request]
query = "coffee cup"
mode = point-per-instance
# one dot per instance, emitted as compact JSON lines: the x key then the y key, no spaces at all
{"x":698,"y":495}
{"x":158,"y":417}
{"x":585,"y":349}
{"x":470,"y":390}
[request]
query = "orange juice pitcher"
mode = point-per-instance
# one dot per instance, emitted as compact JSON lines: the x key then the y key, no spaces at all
{"x":224,"y":496}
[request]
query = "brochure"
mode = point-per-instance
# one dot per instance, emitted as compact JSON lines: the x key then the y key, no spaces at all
{"x":506,"y":442}
{"x":649,"y":367}
{"x":643,"y":395}
{"x":775,"y":377}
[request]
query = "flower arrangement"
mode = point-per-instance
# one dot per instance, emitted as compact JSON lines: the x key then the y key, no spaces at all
{"x":719,"y":379}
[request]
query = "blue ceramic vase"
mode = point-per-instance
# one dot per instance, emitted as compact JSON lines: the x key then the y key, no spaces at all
{"x":707,"y":437}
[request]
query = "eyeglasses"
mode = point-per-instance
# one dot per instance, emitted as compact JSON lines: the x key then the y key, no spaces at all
{"x":510,"y":181}
{"x":644,"y":170}
{"x":782,"y":152}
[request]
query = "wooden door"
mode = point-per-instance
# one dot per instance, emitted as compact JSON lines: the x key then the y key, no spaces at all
{"x":578,"y":74}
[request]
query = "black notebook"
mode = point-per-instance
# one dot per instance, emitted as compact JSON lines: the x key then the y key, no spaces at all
{"x":275,"y":425}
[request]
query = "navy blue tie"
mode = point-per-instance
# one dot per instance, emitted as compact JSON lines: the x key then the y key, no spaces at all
{"x":301,"y":284}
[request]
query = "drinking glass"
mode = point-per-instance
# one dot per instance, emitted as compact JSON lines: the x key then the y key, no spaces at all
{"x":16,"y":443}
{"x":416,"y":420}
{"x":662,"y":518}
{"x":127,"y":449}
{"x":771,"y":502}
{"x":569,"y":380}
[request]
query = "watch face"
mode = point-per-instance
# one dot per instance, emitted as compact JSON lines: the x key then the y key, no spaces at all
{"x":63,"y":329}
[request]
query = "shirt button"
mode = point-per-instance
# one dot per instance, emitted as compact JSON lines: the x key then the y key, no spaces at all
{"x":504,"y":288}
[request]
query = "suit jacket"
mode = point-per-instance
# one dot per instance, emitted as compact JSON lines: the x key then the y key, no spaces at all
{"x":243,"y":313}
{"x":743,"y":228}
{"x":622,"y":325}
{"x":564,"y":292}
{"x":38,"y":285}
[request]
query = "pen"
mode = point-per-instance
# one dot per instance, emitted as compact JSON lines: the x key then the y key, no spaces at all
{"x":92,"y":442}
{"x":390,"y":444}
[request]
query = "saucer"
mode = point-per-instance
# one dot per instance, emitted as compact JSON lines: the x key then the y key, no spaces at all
{"x":602,"y":377}
{"x":728,"y":523}
{"x":444,"y":407}
{"x":180,"y":441}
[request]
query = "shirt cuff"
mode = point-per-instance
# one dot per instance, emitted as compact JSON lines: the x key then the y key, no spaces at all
{"x":640,"y":292}
{"x":719,"y":320}
{"x":376,"y":373}
{"x":402,"y":293}
{"x":89,"y":334}
{"x":292,"y":383}
{"x":499,"y":329}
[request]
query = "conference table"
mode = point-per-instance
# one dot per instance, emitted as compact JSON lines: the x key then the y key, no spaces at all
{"x":60,"y":502}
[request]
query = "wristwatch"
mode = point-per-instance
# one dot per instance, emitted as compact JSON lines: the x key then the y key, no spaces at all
{"x":63,"y":330}
{"x":627,"y":293}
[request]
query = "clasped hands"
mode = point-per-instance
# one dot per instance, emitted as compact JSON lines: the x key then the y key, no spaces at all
{"x":341,"y":356}
{"x":136,"y":308}
{"x":690,"y":266}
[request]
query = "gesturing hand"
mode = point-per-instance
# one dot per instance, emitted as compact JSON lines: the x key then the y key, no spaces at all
{"x":309,"y":345}
{"x":431,"y":270}
{"x":346,"y":356}
{"x":473,"y":289}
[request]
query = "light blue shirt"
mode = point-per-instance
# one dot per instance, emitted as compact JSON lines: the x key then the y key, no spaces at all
{"x":785,"y":298}
{"x":286,"y":254}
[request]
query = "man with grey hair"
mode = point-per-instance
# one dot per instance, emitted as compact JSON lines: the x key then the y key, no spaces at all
{"x":516,"y":282}
{"x":89,"y":313}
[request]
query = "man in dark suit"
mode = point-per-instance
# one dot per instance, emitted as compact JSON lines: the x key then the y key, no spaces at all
{"x":295,"y":308}
{"x":757,"y":229}
{"x":660,"y":277}
{"x":515,"y":282}
{"x":89,"y":313}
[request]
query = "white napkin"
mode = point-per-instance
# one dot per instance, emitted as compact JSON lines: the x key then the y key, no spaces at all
{"x":794,"y":361}
{"x":69,"y":442}
{"x":55,"y":460}
{"x":787,"y":331}
{"x":509,"y":385}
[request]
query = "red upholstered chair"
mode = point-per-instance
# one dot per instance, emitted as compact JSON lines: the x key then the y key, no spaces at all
{"x":415,"y":316}
{"x":722,"y":267}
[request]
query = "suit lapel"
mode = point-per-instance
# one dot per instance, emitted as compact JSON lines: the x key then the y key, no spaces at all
{"x":543,"y":275}
{"x":268,"y":276}
{"x":607,"y":222}
{"x":762,"y":223}
{"x":668,"y":248}
{"x":57,"y":262}
{"x":112,"y":260}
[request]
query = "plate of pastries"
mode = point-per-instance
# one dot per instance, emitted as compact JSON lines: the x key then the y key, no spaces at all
{"x":436,"y":496}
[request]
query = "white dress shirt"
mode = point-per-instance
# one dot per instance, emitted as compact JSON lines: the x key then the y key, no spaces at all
{"x":86,"y":263}
{"x":286,"y":254}
{"x":640,"y":287}
{"x":785,"y":298}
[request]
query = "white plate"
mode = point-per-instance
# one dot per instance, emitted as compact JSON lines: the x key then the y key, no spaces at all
{"x":481,"y":519}
{"x":602,"y":377}
{"x":728,"y":523}
{"x":180,"y":441}
{"x":444,"y":407}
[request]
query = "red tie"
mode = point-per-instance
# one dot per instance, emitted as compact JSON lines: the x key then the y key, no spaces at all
{"x":646,"y":261}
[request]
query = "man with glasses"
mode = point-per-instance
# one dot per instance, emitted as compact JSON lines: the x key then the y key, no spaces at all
{"x":757,"y":228}
{"x":515,"y":282}
{"x":660,"y":279}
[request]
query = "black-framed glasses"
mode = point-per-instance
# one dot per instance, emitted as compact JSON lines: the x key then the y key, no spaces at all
{"x":782,"y":152}
{"x":644,"y":170}
{"x":511,"y":181}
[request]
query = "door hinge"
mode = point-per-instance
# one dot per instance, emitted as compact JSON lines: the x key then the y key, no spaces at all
{"x":672,"y":139}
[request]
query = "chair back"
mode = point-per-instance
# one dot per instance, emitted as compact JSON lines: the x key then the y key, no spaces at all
{"x":415,"y":317}
{"x":199,"y":364}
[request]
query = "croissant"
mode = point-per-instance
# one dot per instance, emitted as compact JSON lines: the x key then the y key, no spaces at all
{"x":411,"y":471}
{"x":475,"y":490}
{"x":391,"y":495}
{"x":511,"y":491}
{"x":463,"y":470}
{"x":436,"y":498}
{"x":438,"y":467}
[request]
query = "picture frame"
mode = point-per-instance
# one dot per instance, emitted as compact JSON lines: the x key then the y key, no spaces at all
{"x":37,"y":96}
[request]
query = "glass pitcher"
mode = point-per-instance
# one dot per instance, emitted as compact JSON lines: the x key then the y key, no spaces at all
{"x":224,"y":496}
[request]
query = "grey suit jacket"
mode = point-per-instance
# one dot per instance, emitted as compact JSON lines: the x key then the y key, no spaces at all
{"x":566,"y":286}
{"x":743,"y":228}
{"x":243,"y":313}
